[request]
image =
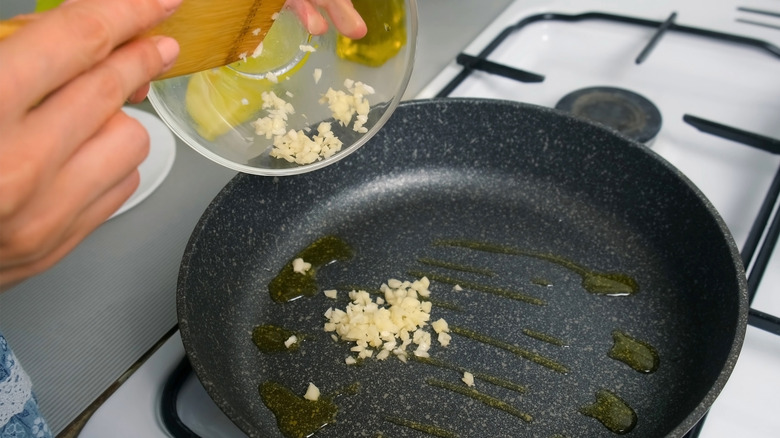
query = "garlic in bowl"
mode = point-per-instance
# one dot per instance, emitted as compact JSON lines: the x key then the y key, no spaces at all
{"x":299,"y":102}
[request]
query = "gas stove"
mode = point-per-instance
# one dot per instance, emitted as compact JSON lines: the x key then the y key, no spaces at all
{"x":698,"y":82}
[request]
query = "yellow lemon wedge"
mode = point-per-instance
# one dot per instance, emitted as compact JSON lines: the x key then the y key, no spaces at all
{"x":220,"y":99}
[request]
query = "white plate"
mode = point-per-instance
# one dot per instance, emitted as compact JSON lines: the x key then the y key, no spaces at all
{"x":156,"y":166}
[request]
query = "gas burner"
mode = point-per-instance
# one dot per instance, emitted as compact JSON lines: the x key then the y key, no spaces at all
{"x":628,"y":112}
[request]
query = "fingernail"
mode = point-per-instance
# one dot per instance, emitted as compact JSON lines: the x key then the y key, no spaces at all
{"x":316,"y":24}
{"x":169,"y":50}
{"x":170,"y":5}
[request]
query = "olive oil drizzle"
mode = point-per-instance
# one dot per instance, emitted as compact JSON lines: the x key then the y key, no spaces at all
{"x":544,"y":337}
{"x":493,"y":380}
{"x":486,"y":399}
{"x":539,"y":281}
{"x":637,"y":354}
{"x":270,"y":338}
{"x":525,"y":354}
{"x":300,"y":418}
{"x":614,"y":413}
{"x":599,"y":283}
{"x":422,"y":427}
{"x":296,"y":416}
{"x":445,"y":305}
{"x":351,"y":389}
{"x":289,"y":285}
{"x":456,"y":266}
{"x":466,"y":284}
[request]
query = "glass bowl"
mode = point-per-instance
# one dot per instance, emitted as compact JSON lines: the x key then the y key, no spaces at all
{"x":264,"y":114}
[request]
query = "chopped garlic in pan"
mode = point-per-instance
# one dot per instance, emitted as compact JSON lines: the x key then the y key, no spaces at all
{"x":300,"y":266}
{"x":389,"y":325}
{"x":290,"y":341}
{"x":312,"y":393}
{"x":468,"y":378}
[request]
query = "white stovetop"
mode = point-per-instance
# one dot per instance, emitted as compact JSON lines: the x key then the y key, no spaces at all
{"x":748,"y":403}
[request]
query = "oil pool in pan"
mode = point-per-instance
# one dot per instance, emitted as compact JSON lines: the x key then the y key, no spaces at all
{"x":298,"y":417}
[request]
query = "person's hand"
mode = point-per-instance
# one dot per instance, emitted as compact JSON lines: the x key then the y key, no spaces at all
{"x":68,"y":154}
{"x":344,"y":16}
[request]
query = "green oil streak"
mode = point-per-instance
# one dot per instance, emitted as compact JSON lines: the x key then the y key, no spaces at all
{"x":525,"y":354}
{"x":289,"y":285}
{"x":466,"y":284}
{"x":296,"y":416}
{"x":599,"y":283}
{"x":422,"y":427}
{"x":445,"y":305}
{"x":350,"y":389}
{"x":637,"y":354}
{"x":612,"y":412}
{"x":493,"y":380}
{"x":541,"y":282}
{"x":484,"y":398}
{"x":456,"y":266}
{"x":544,"y":337}
{"x":270,"y":338}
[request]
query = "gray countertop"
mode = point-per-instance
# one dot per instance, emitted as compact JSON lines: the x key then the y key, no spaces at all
{"x":79,"y":326}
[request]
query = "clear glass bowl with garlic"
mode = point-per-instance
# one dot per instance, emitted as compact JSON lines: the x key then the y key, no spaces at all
{"x":299,"y":102}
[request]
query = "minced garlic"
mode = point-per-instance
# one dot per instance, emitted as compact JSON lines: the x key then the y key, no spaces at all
{"x":292,"y":340}
{"x":353,"y":102}
{"x":296,"y":146}
{"x":258,"y":50}
{"x":379,"y":330}
{"x":300,"y":266}
{"x":468,"y":378}
{"x":312,"y":393}
{"x":275,"y":123}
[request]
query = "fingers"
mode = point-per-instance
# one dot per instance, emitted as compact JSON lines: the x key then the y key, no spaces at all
{"x":88,"y":221}
{"x":91,"y":177}
{"x":74,"y":113}
{"x":97,"y":94}
{"x":68,"y":154}
{"x":139,"y":95}
{"x":346,"y":19}
{"x":344,"y":16}
{"x":70,"y":40}
{"x":310,"y":17}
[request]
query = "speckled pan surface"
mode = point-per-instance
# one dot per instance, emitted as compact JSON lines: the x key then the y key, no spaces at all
{"x":520,"y":176}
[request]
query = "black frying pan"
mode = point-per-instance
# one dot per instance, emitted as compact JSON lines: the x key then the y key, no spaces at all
{"x":555,"y":208}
